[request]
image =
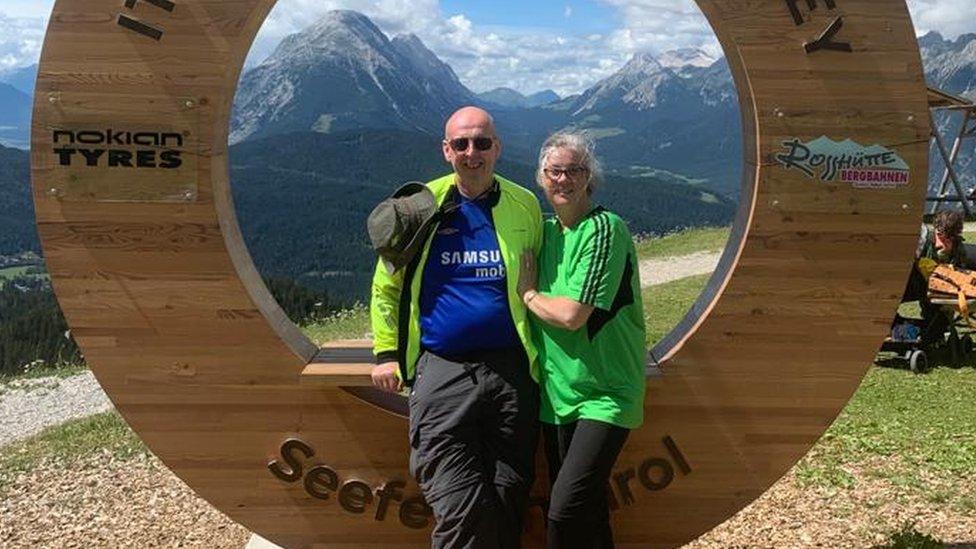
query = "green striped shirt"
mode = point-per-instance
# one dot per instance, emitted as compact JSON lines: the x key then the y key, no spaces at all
{"x":596,"y":372}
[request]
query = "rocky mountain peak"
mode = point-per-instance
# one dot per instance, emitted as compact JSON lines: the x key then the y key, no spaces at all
{"x":966,"y":39}
{"x":344,"y":21}
{"x":338,"y":32}
{"x":931,"y":38}
{"x":412,"y":42}
{"x":343,"y":73}
{"x":950,"y":65}
{"x":637,"y":85}
{"x":642,"y":63}
{"x":509,"y":98}
{"x":426,"y":62}
{"x":684,"y":57}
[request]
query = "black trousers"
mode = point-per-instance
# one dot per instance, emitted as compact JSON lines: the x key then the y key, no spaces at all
{"x":473,"y":435}
{"x":581,"y":456}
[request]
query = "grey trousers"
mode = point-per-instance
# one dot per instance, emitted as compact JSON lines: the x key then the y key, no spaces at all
{"x":473,"y":436}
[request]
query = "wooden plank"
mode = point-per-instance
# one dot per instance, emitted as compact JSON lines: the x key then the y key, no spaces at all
{"x":340,"y":375}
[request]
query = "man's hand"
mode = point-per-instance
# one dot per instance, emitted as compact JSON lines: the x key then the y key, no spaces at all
{"x":528,"y":273}
{"x":385,"y":377}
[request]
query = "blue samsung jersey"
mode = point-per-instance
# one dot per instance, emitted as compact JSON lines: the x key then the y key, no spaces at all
{"x":464,"y":299}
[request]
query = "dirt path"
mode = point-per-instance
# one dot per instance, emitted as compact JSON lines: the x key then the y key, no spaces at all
{"x":662,"y":271}
{"x":29,"y":406}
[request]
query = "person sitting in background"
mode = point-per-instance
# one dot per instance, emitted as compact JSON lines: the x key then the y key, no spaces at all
{"x":941,"y":245}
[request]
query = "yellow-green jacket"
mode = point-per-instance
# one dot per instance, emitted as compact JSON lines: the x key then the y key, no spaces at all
{"x":395,"y":314}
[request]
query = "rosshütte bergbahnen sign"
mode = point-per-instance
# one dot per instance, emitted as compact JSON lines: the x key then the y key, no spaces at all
{"x":152,"y":273}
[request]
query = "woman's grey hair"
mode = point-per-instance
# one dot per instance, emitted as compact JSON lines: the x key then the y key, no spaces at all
{"x":583,"y":147}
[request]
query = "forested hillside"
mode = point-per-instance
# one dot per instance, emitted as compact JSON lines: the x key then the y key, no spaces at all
{"x":302,"y":200}
{"x":32,"y":327}
{"x":17,"y":232}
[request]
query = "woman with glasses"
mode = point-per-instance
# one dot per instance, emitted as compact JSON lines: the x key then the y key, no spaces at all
{"x":588,"y":320}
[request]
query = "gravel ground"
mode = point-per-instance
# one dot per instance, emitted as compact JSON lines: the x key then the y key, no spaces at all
{"x":28,"y":406}
{"x":661,"y":271}
{"x":791,"y":515}
{"x":102,"y":502}
{"x":138,"y":503}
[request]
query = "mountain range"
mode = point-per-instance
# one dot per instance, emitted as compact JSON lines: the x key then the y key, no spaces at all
{"x":951,"y":66}
{"x":509,"y":98}
{"x":342,"y":73}
{"x":676,"y":112}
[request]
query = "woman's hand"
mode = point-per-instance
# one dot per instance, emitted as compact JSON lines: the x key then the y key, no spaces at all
{"x":528,"y":274}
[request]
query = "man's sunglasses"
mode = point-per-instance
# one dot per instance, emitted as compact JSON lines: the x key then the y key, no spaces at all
{"x":460,"y":144}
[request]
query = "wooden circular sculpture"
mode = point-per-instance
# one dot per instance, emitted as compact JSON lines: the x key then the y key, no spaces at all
{"x":129,"y":155}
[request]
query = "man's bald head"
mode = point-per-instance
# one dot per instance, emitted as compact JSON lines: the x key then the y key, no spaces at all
{"x":468,"y":117}
{"x":472,"y":148}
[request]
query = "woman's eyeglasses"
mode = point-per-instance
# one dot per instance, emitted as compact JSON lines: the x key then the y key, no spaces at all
{"x":460,"y":144}
{"x":570,"y":171}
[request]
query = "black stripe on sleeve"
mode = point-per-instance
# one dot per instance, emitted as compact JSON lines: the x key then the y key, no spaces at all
{"x":601,"y":258}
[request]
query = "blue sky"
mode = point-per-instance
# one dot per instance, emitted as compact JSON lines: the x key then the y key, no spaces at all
{"x":576,"y":16}
{"x":565,"y":45}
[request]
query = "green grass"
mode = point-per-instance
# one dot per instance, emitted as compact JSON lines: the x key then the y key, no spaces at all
{"x":10,"y":273}
{"x":915,"y":431}
{"x":60,"y":371}
{"x":665,"y":305}
{"x":349,"y":324}
{"x":13,"y":272}
{"x":72,"y":441}
{"x":708,"y":239}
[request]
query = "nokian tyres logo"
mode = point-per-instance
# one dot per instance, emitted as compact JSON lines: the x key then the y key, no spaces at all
{"x":110,"y":148}
{"x":829,"y":161}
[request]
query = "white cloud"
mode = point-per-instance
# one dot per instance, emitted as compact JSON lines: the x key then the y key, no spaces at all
{"x":949,"y":17}
{"x":20,"y":40}
{"x":27,"y":8}
{"x":568,"y":12}
{"x":660,"y":25}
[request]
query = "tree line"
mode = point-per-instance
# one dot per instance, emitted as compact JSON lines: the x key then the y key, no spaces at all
{"x":32,"y":327}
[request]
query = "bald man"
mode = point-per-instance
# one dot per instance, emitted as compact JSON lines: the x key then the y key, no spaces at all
{"x":458,"y":337}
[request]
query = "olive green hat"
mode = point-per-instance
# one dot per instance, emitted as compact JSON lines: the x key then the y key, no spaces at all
{"x":399,"y":225}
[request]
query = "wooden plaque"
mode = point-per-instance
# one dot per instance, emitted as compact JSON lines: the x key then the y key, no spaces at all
{"x":148,"y":263}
